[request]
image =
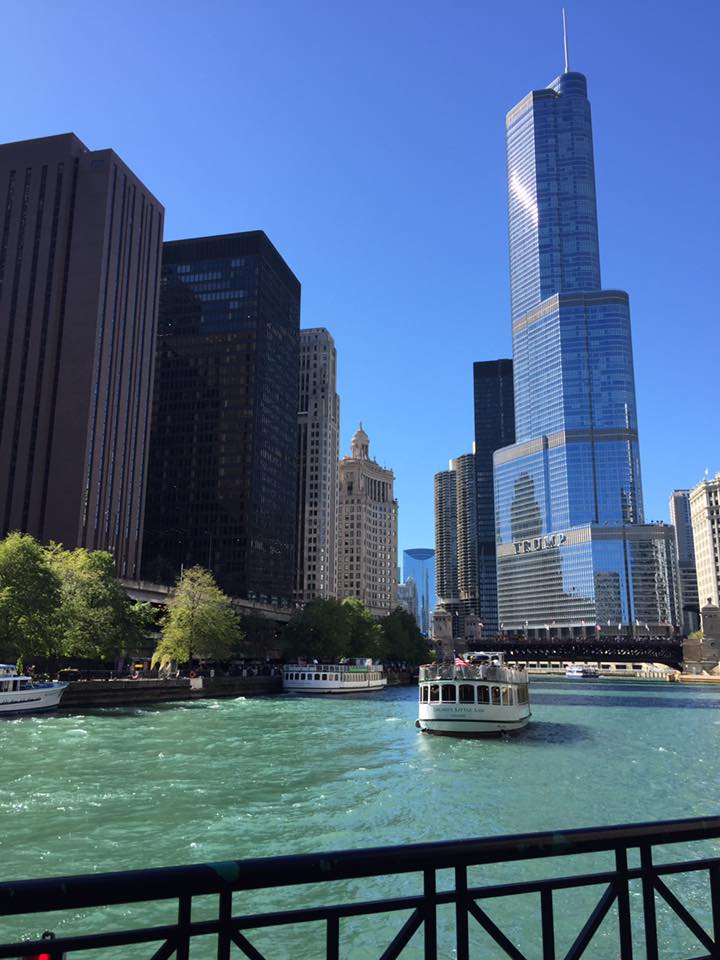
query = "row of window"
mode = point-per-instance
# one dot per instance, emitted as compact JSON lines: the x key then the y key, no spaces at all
{"x":466,"y":693}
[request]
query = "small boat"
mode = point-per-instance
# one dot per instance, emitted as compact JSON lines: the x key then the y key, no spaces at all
{"x":358,"y":675}
{"x":580,"y":671}
{"x":19,"y":694}
{"x":475,"y":695}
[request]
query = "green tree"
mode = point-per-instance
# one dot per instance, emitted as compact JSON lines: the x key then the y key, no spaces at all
{"x":402,"y":639}
{"x":365,"y":632}
{"x":96,"y":619}
{"x":29,"y":599}
{"x":321,"y":630}
{"x":200,"y":621}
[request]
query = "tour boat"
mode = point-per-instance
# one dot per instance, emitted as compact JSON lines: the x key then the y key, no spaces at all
{"x":352,"y":676}
{"x":19,"y":694}
{"x":473,"y":696}
{"x":579,"y":671}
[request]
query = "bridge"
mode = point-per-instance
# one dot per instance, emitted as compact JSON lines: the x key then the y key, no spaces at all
{"x":158,"y":594}
{"x":668,"y":650}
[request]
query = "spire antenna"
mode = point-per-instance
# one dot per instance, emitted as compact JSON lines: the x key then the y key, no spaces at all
{"x":565,"y":42}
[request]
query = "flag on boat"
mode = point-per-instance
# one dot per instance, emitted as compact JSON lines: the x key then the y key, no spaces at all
{"x":459,"y":662}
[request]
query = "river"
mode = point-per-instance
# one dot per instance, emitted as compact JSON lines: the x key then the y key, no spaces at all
{"x":212,"y":780}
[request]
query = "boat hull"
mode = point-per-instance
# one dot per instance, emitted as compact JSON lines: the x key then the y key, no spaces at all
{"x":31,"y":699}
{"x":472,"y":726}
{"x":329,"y":687}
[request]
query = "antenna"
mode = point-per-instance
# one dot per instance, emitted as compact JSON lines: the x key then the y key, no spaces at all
{"x":565,"y":41}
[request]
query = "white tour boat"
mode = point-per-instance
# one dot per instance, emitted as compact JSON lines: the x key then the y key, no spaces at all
{"x":353,"y":676}
{"x":19,"y":694}
{"x":474,"y":696}
{"x":580,"y":671}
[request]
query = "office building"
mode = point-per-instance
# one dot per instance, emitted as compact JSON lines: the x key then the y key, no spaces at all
{"x":419,"y":563}
{"x":446,"y":545}
{"x":317,"y":478}
{"x":681,"y":521}
{"x":494,"y":407}
{"x":367,"y":530}
{"x":705,"y":515}
{"x":223,"y":464}
{"x":407,"y":598}
{"x":79,"y":270}
{"x":573,"y":552}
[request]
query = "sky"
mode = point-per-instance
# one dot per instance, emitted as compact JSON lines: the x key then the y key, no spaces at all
{"x":367,"y":140}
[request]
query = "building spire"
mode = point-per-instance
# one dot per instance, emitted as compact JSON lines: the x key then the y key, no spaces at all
{"x":565,"y":42}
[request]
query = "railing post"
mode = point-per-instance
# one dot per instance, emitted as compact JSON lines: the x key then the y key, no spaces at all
{"x":332,"y":950}
{"x":224,"y":916}
{"x":430,"y":914}
{"x":715,"y":900}
{"x":623,"y":894}
{"x":548,"y":923}
{"x":461,"y":914}
{"x":648,"y":887}
{"x":184,"y":914}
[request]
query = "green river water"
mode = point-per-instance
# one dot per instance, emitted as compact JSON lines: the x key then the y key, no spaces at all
{"x":215,"y":780}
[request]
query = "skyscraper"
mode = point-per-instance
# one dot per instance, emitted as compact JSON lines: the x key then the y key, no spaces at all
{"x":446,"y":546}
{"x":419,"y":563}
{"x":317,"y":492}
{"x":456,"y":542}
{"x":494,"y":428}
{"x":79,"y":270}
{"x":573,"y":552}
{"x":687,"y":571}
{"x":705,"y":513}
{"x":367,"y":529}
{"x":223,"y":464}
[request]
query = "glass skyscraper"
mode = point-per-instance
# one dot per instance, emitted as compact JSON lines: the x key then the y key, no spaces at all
{"x":419,"y":563}
{"x":573,"y":552}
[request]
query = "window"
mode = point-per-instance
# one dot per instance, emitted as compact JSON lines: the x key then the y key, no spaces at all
{"x":324,"y":676}
{"x":434,"y":692}
{"x":302,"y":676}
{"x":424,"y":694}
{"x":495,"y":693}
{"x":466,"y":693}
{"x":483,"y":694}
{"x":506,"y":694}
{"x":317,"y":676}
{"x":448,"y":693}
{"x":522,"y":694}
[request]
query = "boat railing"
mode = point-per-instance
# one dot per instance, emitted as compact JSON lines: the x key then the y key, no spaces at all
{"x":484,"y":671}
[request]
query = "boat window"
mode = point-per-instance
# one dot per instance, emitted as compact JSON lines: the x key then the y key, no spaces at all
{"x":483,"y":694}
{"x":448,"y":693}
{"x":522,"y":694}
{"x":317,"y":676}
{"x":495,"y":694}
{"x":434,"y":692}
{"x":505,"y":695}
{"x":637,"y":666}
{"x":466,"y":693}
{"x":324,"y":676}
{"x":424,"y":694}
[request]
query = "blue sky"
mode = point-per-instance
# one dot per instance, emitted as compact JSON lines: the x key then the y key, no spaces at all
{"x":367,"y":140}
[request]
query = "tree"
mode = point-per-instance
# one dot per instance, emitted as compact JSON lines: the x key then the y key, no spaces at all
{"x":29,"y":598}
{"x":96,"y":619}
{"x":200,"y":621}
{"x":365,"y":631}
{"x":402,"y":639}
{"x":321,"y":630}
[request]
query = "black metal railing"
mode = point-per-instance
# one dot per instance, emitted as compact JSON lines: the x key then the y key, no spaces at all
{"x":635,"y":928}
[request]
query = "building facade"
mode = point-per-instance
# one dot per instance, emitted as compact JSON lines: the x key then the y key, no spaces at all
{"x":317,"y":484}
{"x":407,"y":598}
{"x":494,"y":407}
{"x":79,"y":274}
{"x":367,"y":530}
{"x":223,"y":465}
{"x":446,"y":546}
{"x":687,"y":573}
{"x":705,"y":515}
{"x":419,"y":563}
{"x":572,"y":548}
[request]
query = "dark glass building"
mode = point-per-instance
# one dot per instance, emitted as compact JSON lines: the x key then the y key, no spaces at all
{"x":223,"y":461}
{"x":419,"y":564}
{"x":494,"y":428}
{"x":574,"y":554}
{"x":80,"y":240}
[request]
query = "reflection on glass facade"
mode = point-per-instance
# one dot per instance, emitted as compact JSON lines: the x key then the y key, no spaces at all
{"x":573,"y":551}
{"x":419,"y":564}
{"x":222,"y":476}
